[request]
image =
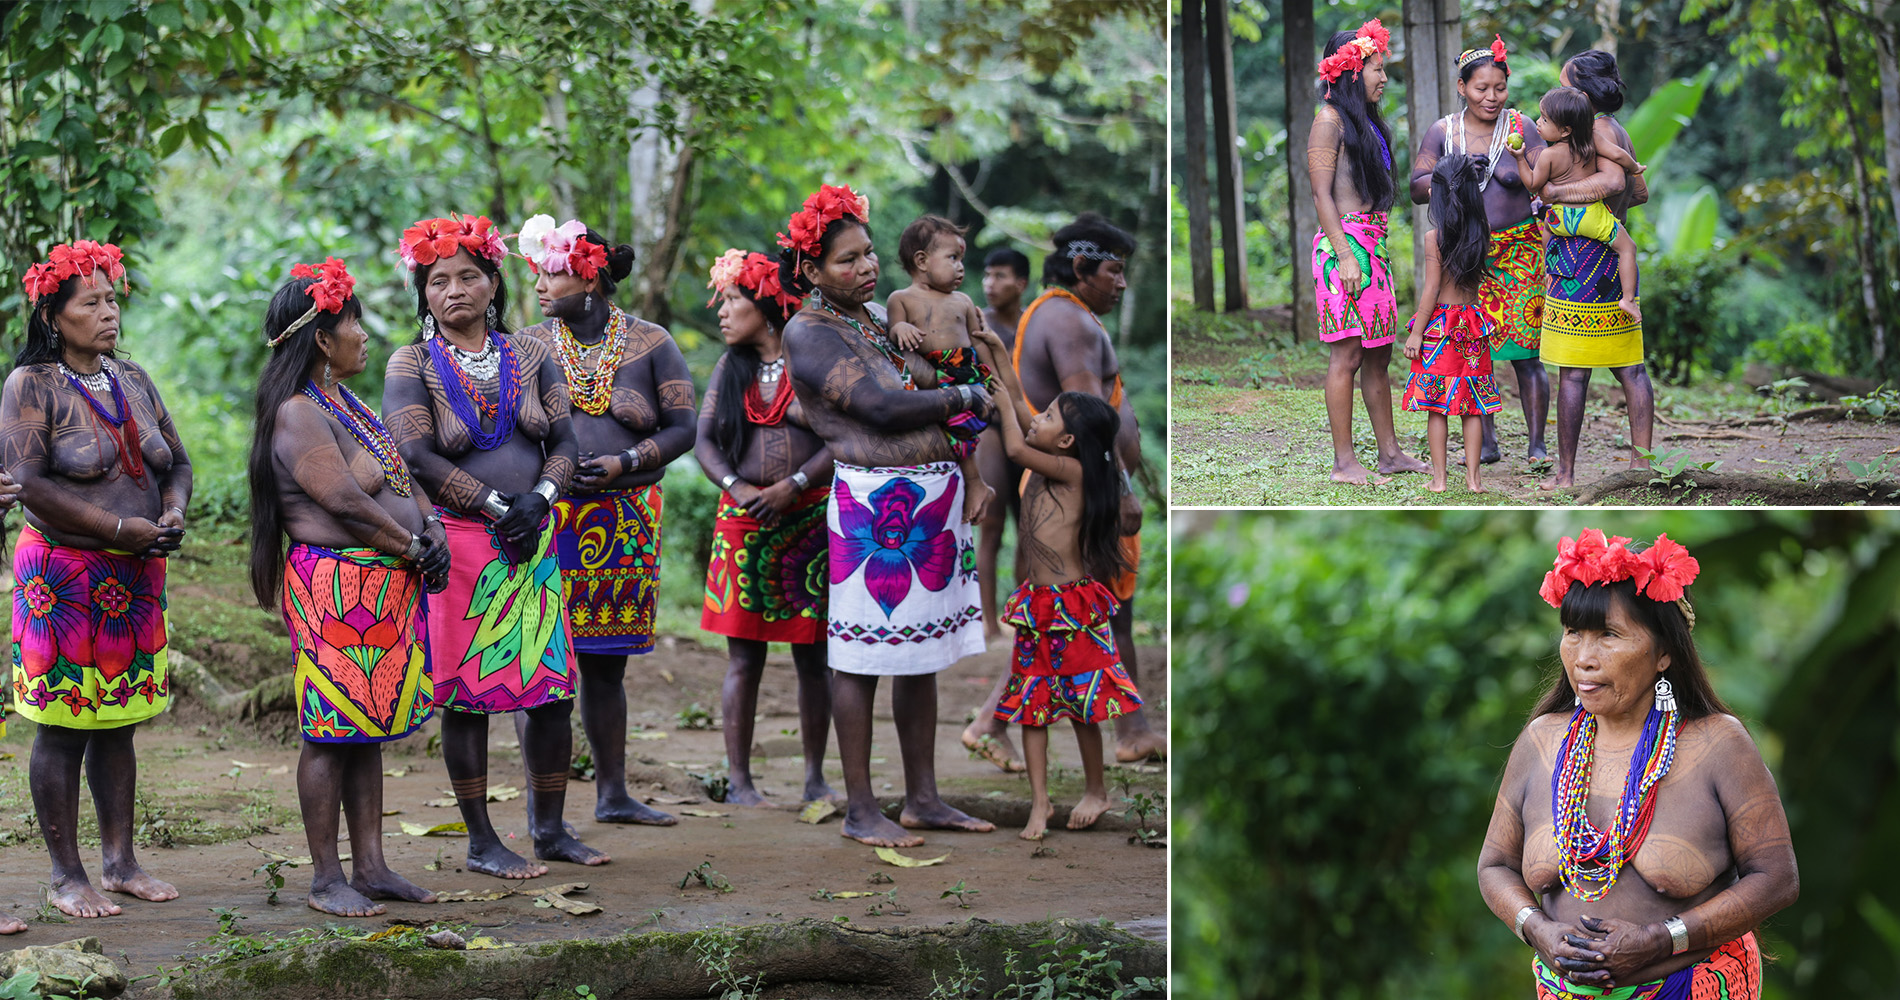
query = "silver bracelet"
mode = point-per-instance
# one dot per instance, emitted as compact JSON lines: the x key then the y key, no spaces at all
{"x":801,"y":479}
{"x":1523,"y":915}
{"x":963,"y":397}
{"x":115,"y":531}
{"x":1678,"y":935}
{"x":415,"y":547}
{"x":630,"y":461}
{"x":546,"y":488}
{"x":726,"y":483}
{"x":1128,"y":484}
{"x":494,"y":506}
{"x":175,"y":510}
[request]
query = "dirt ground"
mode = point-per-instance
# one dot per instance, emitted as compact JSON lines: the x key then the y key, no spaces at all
{"x":224,"y":791}
{"x":1249,"y":428}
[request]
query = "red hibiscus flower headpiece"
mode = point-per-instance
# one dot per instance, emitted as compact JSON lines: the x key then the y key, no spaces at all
{"x":1496,"y":52}
{"x":1372,"y":38}
{"x":334,"y":287}
{"x":754,"y":272}
{"x":826,"y":206}
{"x":80,"y":257}
{"x":436,"y":239}
{"x":560,"y":249}
{"x":1660,"y":571}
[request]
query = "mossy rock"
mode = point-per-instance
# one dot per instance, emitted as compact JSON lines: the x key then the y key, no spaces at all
{"x":76,"y":968}
{"x":806,"y":958}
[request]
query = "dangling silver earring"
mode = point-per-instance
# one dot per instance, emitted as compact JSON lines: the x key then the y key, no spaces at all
{"x":588,"y":304}
{"x":327,"y":380}
{"x":1665,"y":695}
{"x":428,"y":327}
{"x":491,"y":315}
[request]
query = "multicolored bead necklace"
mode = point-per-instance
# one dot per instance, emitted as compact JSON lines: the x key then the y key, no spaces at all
{"x":591,"y":390}
{"x":1590,"y":858}
{"x":131,"y":454}
{"x":877,"y":335}
{"x":368,"y":431}
{"x":468,"y":401}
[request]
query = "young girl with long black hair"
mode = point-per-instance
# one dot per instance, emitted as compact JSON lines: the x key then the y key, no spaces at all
{"x":1449,"y":343}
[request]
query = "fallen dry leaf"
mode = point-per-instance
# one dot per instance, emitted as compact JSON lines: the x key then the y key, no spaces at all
{"x":668,"y":800}
{"x":890,"y":855}
{"x":557,"y":901}
{"x":817,"y":811}
{"x":455,"y":829}
{"x":503,"y":793}
{"x":666,"y":675}
{"x":394,"y":772}
{"x":472,"y":896}
{"x":279,"y":769}
{"x":483,"y":943}
{"x":651,"y":735}
{"x":703,"y":813}
{"x":243,"y":764}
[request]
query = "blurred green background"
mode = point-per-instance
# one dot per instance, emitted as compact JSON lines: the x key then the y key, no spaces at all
{"x":1347,"y":687}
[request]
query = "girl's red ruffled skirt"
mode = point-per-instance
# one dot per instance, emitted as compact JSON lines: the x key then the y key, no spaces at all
{"x":1065,"y":665}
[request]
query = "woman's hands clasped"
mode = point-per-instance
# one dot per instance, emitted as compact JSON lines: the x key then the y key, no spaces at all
{"x":1596,"y":951}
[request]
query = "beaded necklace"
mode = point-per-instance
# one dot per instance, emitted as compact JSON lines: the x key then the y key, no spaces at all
{"x":757,"y":410}
{"x":1500,"y":131}
{"x":131,"y":455}
{"x":1385,"y":151}
{"x":368,"y":431}
{"x":1586,"y":853}
{"x":467,"y":400}
{"x":878,"y":337}
{"x":591,"y":390}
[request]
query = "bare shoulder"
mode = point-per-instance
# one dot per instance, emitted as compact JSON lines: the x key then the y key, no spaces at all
{"x":1720,"y":734}
{"x":29,"y":378}
{"x":136,"y":372}
{"x":529,"y":349}
{"x":542,"y":331}
{"x":903,"y":295}
{"x":1544,"y":732}
{"x":1327,"y":115}
{"x":810,"y":326}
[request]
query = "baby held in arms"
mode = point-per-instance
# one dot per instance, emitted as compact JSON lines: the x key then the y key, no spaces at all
{"x":1565,"y":120}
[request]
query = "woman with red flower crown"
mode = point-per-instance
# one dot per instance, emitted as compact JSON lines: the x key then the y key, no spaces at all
{"x":1638,"y":838}
{"x":106,"y":482}
{"x":365,"y":541}
{"x":903,"y":598}
{"x":481,"y":416}
{"x":633,"y":413}
{"x":766,"y":580}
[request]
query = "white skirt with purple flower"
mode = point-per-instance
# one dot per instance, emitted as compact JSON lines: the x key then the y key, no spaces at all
{"x":903,"y":571}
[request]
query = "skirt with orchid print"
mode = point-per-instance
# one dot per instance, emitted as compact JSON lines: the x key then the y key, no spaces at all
{"x":358,"y":623}
{"x":89,"y":635}
{"x":903,"y":571}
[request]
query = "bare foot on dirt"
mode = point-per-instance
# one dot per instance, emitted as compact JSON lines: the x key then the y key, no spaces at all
{"x":1038,"y":825}
{"x":1139,"y":746}
{"x":1401,"y":462}
{"x":502,"y":863}
{"x":1087,"y":811}
{"x":993,"y":747}
{"x":138,"y":883}
{"x":8,"y":925}
{"x":746,"y":795}
{"x":566,"y":848}
{"x":626,"y":810}
{"x":1537,"y":453}
{"x":939,"y":816}
{"x":1437,"y":485}
{"x":1356,"y":474}
{"x":387,"y":884}
{"x":1557,"y":483}
{"x":1473,"y":482}
{"x":80,"y":899}
{"x":877,"y":830}
{"x":819,"y":789}
{"x":342,"y":900}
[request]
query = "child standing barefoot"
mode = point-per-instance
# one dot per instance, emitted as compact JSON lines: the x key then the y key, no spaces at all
{"x":1065,"y":663}
{"x":1567,"y":120}
{"x":1449,"y":343}
{"x":939,"y":321}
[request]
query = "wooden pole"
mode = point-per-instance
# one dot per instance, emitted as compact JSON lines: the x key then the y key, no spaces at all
{"x":1194,"y":169}
{"x":1431,"y":50}
{"x":1302,"y":55}
{"x":1227,"y":175}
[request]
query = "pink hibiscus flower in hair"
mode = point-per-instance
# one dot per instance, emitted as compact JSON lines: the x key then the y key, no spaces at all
{"x":892,"y":538}
{"x":1664,"y":569}
{"x":724,"y":272}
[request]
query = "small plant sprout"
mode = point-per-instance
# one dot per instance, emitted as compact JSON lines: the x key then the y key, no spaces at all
{"x":961,"y":891}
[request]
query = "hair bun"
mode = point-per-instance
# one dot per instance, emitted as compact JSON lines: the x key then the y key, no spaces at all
{"x":620,"y":261}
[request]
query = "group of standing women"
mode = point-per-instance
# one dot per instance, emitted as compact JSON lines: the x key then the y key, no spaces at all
{"x":1548,"y":299}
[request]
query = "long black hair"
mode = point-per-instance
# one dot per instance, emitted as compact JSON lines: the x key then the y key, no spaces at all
{"x":1588,"y":607}
{"x":42,"y":341}
{"x":1059,"y":268}
{"x":284,"y":375}
{"x":1464,"y":234}
{"x":1359,"y":121}
{"x":1094,"y":425}
{"x":731,"y":429}
{"x":1568,"y":107}
{"x":420,"y":281}
{"x":1594,"y":72}
{"x":788,"y":258}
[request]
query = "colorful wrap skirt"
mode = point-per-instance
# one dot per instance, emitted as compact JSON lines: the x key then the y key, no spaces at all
{"x":498,"y":638}
{"x":1512,"y":292}
{"x":1065,"y":665}
{"x":903,"y":571}
{"x":769,"y":583}
{"x":89,"y":635}
{"x":1452,"y":374}
{"x":1583,"y":325}
{"x":1593,"y":221}
{"x":358,"y":622}
{"x":609,"y":546}
{"x":1731,"y":972}
{"x":1371,"y":311}
{"x":959,"y":366}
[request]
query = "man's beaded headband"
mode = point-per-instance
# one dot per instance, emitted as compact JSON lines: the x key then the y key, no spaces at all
{"x":333,"y":287}
{"x":69,"y":259}
{"x":1089,"y":250}
{"x":1660,"y":571}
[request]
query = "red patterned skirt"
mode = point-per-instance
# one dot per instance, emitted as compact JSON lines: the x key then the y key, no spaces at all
{"x":1452,"y":374}
{"x":1066,"y":665}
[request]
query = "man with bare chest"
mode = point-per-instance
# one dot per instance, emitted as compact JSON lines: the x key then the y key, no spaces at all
{"x":1005,"y":279}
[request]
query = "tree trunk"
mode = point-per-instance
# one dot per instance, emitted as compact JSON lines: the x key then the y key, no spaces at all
{"x":1227,"y":174}
{"x":1432,"y":45}
{"x":1863,"y":235}
{"x":1608,"y":12}
{"x":1885,"y":45}
{"x":1194,"y":169}
{"x":1302,"y":214}
{"x":558,"y":180}
{"x":663,"y":258}
{"x":1150,"y":254}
